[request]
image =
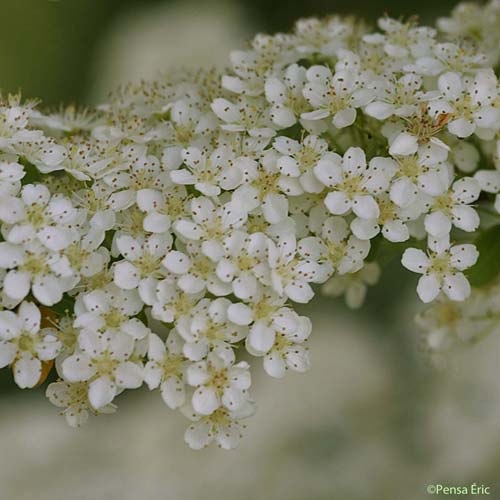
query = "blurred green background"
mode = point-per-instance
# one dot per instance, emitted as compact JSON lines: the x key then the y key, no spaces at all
{"x":48,"y":48}
{"x":372,"y":420}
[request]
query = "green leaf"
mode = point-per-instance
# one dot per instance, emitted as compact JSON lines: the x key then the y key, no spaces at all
{"x":32,"y":174}
{"x":487,"y":267}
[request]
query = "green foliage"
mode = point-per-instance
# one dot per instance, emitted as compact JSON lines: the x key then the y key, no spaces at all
{"x":487,"y":267}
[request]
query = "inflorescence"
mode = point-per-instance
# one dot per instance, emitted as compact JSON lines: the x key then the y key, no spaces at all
{"x":164,"y":237}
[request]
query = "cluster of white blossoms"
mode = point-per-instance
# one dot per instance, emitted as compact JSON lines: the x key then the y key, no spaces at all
{"x":164,"y":238}
{"x":449,"y":326}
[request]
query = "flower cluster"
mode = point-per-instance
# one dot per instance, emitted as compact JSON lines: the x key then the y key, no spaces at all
{"x":449,"y":325}
{"x":164,"y":237}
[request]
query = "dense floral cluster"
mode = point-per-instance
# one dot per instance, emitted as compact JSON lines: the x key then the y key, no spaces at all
{"x":149,"y":239}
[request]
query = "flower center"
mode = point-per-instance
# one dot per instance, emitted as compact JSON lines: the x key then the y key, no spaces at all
{"x":245,"y":262}
{"x":307,"y":158}
{"x":105,"y":366}
{"x":35,"y":215}
{"x":443,"y":203}
{"x":387,"y":210}
{"x":281,"y":343}
{"x":114,"y":318}
{"x":409,"y":167}
{"x":35,"y":265}
{"x":182,"y":305}
{"x":448,"y":314}
{"x":336,"y":251}
{"x":424,"y":127}
{"x":147,"y":264}
{"x":440,"y":265}
{"x":202,"y":267}
{"x":263,"y":309}
{"x":351,"y":185}
{"x":215,"y":332}
{"x":266,"y":183}
{"x":219,"y":378}
{"x":172,"y":365}
{"x":26,"y":343}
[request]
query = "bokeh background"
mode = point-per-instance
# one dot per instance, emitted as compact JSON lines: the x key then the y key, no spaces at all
{"x":372,"y":420}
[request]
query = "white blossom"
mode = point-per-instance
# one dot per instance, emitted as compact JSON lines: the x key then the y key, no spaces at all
{"x":353,"y":285}
{"x":166,"y":369}
{"x":73,"y":397}
{"x":442,"y":269}
{"x":336,"y":96}
{"x":218,"y":382}
{"x":104,"y":362}
{"x":24,"y":345}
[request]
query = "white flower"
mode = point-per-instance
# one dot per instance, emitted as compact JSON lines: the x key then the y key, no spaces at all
{"x":267,"y":55}
{"x":111,"y":312}
{"x":335,"y":95}
{"x":267,"y":317}
{"x":337,"y":249}
{"x":95,"y":202}
{"x":32,"y":267}
{"x":301,"y":158}
{"x":83,"y":162}
{"x":188,"y":126}
{"x":489,"y":181}
{"x":447,"y":323}
{"x":43,"y":152}
{"x":452,"y":207}
{"x":11,"y":173}
{"x":86,"y":256}
{"x":145,"y":172}
{"x":142,"y":259}
{"x":222,"y":426}
{"x":285,"y":96}
{"x":478,"y":21}
{"x":290,"y":273}
{"x":441,"y":269}
{"x":13,"y":127}
{"x":208,"y":173}
{"x":391,"y":221}
{"x":37,"y":215}
{"x":286,"y":351}
{"x":263,"y":189}
{"x":165,"y":369}
{"x":470,"y":104}
{"x":246,"y":115}
{"x":219,"y":382}
{"x":244,"y":263}
{"x":353,"y":285}
{"x":452,"y":57}
{"x":208,"y":328}
{"x":322,"y":36}
{"x":104,"y":363}
{"x":73,"y":397}
{"x":353,"y":184}
{"x":418,"y":134}
{"x":399,"y":98}
{"x":414,"y":176}
{"x":210,"y":224}
{"x":161,"y":207}
{"x":179,"y":223}
{"x":370,"y":62}
{"x":171,"y":303}
{"x":24,"y":345}
{"x":195,"y":272}
{"x":400,"y":40}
